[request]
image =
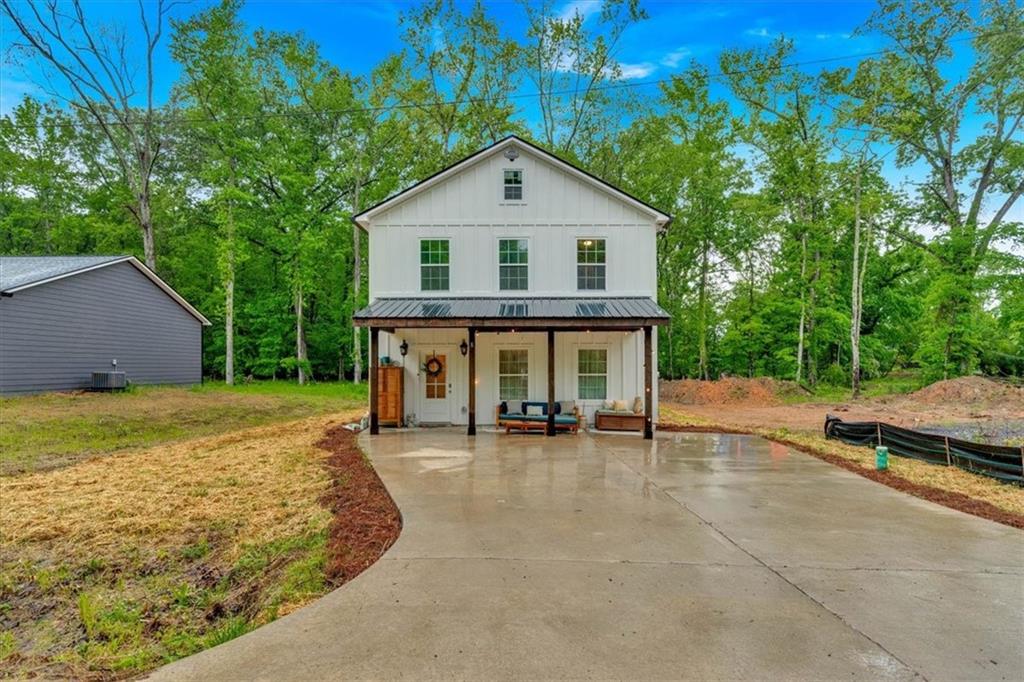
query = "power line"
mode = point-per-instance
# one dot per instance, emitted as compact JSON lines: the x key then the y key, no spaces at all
{"x":401,"y":106}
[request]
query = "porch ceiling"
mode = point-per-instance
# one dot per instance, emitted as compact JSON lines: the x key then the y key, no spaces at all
{"x":621,"y":312}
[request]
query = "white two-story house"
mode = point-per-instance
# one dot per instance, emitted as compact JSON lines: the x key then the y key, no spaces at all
{"x":513,"y":276}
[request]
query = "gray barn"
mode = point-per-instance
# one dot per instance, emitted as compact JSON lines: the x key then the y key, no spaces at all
{"x":64,"y":317}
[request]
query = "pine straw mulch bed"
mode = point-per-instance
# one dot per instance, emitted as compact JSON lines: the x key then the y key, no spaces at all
{"x":366,"y":520}
{"x":950,"y":487}
{"x":115,"y":565}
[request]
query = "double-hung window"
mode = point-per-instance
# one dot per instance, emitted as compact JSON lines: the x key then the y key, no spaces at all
{"x":590,"y":264}
{"x":513,"y":185}
{"x":434,"y":261}
{"x":513,"y":374}
{"x":513,"y":267}
{"x":592,"y":373}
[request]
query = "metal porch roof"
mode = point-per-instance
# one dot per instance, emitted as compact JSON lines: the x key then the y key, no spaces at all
{"x":523,"y":311}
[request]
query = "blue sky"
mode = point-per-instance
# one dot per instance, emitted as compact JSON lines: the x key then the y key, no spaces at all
{"x":357,"y":34}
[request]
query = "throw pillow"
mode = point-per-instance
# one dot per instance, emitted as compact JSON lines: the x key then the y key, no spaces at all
{"x":638,"y":405}
{"x":504,"y":408}
{"x":620,"y":406}
{"x":534,"y":410}
{"x":608,"y":404}
{"x":567,"y":406}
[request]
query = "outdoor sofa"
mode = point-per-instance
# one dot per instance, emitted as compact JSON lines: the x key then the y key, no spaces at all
{"x":533,"y":415}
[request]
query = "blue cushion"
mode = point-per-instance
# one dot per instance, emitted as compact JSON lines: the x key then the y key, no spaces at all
{"x":543,"y":406}
{"x":559,"y":418}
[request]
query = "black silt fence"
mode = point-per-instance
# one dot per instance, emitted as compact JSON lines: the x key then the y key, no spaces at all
{"x":1003,"y":462}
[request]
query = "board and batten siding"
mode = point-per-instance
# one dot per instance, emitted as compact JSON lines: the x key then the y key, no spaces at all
{"x":625,"y":367}
{"x":469,"y":210}
{"x":54,"y":336}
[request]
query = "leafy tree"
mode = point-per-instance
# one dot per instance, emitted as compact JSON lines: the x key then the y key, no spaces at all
{"x":908,"y":98}
{"x":98,"y":70}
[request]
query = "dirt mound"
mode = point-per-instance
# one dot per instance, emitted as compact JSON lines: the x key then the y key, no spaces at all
{"x":969,"y":391}
{"x":728,"y":391}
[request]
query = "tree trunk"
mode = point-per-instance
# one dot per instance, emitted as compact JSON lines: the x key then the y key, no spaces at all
{"x":856,"y":294}
{"x":812,"y":363}
{"x":357,"y":285}
{"x":229,"y":301}
{"x":703,"y":315}
{"x":146,"y":225}
{"x":803,"y":308}
{"x":300,"y":336}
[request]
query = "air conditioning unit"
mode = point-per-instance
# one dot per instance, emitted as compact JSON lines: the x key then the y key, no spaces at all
{"x":108,"y":381}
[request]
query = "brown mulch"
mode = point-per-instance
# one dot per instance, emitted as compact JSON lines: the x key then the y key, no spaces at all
{"x":366,"y":520}
{"x":946,"y":498}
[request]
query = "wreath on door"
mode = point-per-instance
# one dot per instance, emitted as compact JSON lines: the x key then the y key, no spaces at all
{"x":433,"y":367}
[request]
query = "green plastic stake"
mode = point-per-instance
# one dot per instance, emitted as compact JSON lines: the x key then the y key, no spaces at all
{"x":881,"y":458}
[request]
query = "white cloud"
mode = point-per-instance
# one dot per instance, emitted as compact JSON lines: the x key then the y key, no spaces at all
{"x":584,"y":8}
{"x":641,"y":70}
{"x":672,"y":59}
{"x":827,"y":36}
{"x":760,"y":32}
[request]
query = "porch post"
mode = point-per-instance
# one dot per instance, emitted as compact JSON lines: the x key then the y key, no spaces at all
{"x":374,"y":379}
{"x":471,"y":430}
{"x":551,"y":382}
{"x":648,"y":385}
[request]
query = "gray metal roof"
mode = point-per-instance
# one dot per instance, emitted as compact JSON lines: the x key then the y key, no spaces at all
{"x":19,"y":271}
{"x":580,"y":309}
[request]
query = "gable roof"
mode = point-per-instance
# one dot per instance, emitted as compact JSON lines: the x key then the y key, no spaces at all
{"x":18,"y":273}
{"x":363,"y":219}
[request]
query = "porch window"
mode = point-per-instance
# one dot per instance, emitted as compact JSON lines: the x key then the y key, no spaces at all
{"x":513,"y":374}
{"x":513,"y":268}
{"x":513,"y":185}
{"x":592,"y":373}
{"x":590,"y":264}
{"x":434,"y":258}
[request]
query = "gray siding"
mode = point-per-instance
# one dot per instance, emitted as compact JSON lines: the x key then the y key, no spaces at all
{"x":54,"y":336}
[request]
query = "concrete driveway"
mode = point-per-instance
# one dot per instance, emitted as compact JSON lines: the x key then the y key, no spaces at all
{"x":692,"y":556}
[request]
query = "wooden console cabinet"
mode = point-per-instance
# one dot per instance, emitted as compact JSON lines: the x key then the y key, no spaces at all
{"x":390,"y":395}
{"x":611,"y":421}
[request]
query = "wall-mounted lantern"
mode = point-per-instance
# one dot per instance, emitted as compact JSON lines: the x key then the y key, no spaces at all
{"x":463,"y":347}
{"x":404,"y":348}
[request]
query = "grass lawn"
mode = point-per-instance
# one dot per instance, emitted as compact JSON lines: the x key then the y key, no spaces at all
{"x":57,"y":429}
{"x":204,"y":518}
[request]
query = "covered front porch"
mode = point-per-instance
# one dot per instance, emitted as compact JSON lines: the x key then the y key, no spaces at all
{"x":463,"y":358}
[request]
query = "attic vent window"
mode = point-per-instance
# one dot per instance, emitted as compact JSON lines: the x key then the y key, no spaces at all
{"x":511,"y":153}
{"x":513,"y":185}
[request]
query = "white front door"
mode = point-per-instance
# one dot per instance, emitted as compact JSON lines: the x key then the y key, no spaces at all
{"x":435,"y":388}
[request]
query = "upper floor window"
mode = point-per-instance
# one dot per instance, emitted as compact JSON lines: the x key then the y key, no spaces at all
{"x":590,"y":264}
{"x":513,"y":185}
{"x":434,"y":260}
{"x":513,"y":268}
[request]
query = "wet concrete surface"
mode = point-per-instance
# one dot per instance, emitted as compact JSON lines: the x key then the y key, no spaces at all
{"x":694,"y":556}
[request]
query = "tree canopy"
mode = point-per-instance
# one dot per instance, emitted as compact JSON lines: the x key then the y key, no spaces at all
{"x":793,"y":253}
